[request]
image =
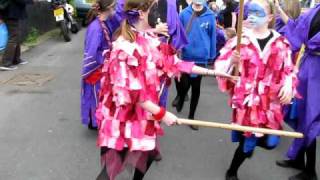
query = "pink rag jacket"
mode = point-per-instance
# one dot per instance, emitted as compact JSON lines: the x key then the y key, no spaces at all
{"x":133,"y":74}
{"x":254,"y":98}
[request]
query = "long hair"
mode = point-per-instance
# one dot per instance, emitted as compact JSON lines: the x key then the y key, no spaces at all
{"x":272,"y":8}
{"x":292,"y":8}
{"x":99,"y":6}
{"x":125,"y":29}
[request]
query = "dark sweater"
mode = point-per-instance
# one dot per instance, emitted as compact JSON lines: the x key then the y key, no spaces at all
{"x":16,"y":10}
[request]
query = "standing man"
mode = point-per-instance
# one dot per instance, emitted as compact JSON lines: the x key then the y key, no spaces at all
{"x":12,"y":15}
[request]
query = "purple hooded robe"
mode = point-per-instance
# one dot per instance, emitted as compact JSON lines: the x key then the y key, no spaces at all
{"x":308,"y":108}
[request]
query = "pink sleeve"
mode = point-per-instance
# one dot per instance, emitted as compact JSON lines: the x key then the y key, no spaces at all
{"x":184,"y":66}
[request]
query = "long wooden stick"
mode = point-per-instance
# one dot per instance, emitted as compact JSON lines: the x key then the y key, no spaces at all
{"x":240,"y":24}
{"x":239,"y":32}
{"x":240,"y":128}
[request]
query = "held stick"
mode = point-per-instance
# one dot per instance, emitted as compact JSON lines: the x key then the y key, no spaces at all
{"x":240,"y":128}
{"x":239,"y":32}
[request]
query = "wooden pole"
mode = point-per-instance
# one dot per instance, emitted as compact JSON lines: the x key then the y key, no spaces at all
{"x":240,"y":128}
{"x":240,"y":24}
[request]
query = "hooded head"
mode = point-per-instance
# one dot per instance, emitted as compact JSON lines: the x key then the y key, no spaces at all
{"x":199,"y":2}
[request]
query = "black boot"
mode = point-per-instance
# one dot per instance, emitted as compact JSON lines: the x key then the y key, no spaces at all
{"x":230,"y":176}
{"x":291,"y":164}
{"x":180,"y":104}
{"x":175,"y":101}
{"x":304,"y":175}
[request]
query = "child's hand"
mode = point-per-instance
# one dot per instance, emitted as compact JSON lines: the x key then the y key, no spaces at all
{"x":162,"y":29}
{"x":277,"y":5}
{"x":235,"y":57}
{"x":170,"y":119}
{"x":285,"y":95}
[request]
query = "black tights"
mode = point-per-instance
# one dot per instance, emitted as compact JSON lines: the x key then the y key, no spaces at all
{"x":183,"y":87}
{"x":240,"y":156}
{"x":138,"y":175}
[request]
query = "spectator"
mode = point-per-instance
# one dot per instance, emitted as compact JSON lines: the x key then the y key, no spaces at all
{"x":227,"y":13}
{"x":12,"y":15}
{"x":200,"y":24}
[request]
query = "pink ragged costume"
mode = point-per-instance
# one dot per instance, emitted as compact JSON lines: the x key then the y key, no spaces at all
{"x":254,"y":98}
{"x":132,"y":75}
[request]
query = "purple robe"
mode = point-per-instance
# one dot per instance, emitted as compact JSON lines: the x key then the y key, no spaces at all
{"x":95,"y":43}
{"x":296,"y":31}
{"x":279,"y":23}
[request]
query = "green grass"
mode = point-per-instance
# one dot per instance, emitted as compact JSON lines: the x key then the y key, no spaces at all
{"x":32,"y":36}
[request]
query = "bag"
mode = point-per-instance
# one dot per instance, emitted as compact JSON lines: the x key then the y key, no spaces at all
{"x":4,"y":4}
{"x":3,"y":36}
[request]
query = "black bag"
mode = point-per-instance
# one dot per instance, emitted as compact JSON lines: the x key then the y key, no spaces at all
{"x":4,"y":4}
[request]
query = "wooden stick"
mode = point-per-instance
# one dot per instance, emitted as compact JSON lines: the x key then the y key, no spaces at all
{"x":240,"y":128}
{"x":239,"y":33}
{"x":240,"y":24}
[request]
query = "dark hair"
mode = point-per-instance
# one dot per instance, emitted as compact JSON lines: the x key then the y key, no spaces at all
{"x":99,"y":6}
{"x":125,"y":28}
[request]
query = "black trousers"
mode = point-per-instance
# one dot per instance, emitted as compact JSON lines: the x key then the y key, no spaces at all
{"x":186,"y":81}
{"x":13,"y":50}
{"x":307,"y":156}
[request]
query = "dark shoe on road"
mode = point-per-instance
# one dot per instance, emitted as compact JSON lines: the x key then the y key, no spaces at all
{"x":158,"y":157}
{"x":175,"y":101}
{"x":231,"y":176}
{"x":195,"y":128}
{"x":21,"y":62}
{"x":8,"y":68}
{"x":290,"y":164}
{"x":304,"y":176}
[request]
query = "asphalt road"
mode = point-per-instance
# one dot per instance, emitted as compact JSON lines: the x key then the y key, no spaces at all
{"x":42,"y":138}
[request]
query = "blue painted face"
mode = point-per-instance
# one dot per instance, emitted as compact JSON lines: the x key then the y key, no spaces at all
{"x":257,"y":16}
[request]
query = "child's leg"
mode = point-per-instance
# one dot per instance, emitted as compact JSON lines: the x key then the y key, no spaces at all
{"x":184,"y":87}
{"x":238,"y":158}
{"x":196,"y":87}
{"x":311,"y":157}
{"x":138,"y":175}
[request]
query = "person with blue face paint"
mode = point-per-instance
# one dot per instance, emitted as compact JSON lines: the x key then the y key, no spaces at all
{"x":266,"y":82}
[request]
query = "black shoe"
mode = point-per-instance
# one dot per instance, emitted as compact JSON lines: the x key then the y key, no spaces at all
{"x":231,"y":176}
{"x":195,"y":128}
{"x":290,"y":164}
{"x":91,"y":127}
{"x":175,"y":101}
{"x":304,"y":176}
{"x":22,"y":62}
{"x":158,"y":157}
{"x":8,"y":68}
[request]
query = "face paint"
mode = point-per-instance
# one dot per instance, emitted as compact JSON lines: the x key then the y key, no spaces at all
{"x":257,"y":16}
{"x":157,"y":11}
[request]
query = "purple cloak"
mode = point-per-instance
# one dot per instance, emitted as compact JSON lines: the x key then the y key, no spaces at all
{"x":296,"y":31}
{"x":95,"y":44}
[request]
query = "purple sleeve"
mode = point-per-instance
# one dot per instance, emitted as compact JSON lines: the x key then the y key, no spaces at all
{"x":176,"y":29}
{"x":295,"y":32}
{"x":93,"y":50}
{"x":114,"y":22}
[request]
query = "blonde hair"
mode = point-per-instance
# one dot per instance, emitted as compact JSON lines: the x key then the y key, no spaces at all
{"x":292,"y":8}
{"x":125,"y":29}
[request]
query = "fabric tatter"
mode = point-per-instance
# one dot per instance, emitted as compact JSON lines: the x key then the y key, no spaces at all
{"x":133,"y":75}
{"x":254,"y":98}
